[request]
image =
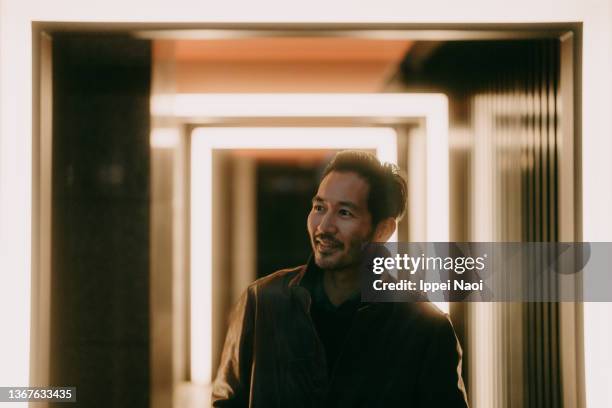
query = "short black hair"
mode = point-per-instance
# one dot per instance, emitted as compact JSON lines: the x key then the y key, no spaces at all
{"x":388,"y":187}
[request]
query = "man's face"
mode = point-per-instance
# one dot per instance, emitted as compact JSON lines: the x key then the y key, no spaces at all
{"x":339,"y":222}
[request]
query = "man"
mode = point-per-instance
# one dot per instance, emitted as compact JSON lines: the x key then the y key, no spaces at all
{"x":302,"y":338}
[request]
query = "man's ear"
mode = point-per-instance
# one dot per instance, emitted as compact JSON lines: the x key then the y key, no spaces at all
{"x":384,"y":230}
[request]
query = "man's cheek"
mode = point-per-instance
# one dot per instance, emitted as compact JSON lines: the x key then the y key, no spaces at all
{"x":310,"y":224}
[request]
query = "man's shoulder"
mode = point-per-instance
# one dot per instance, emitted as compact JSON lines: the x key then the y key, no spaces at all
{"x":278,"y":280}
{"x":431,"y":311}
{"x":426,"y":315}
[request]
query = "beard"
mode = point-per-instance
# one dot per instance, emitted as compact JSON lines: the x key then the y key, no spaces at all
{"x":336,"y":255}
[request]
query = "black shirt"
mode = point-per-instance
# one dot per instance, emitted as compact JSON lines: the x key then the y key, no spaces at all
{"x":332,"y":323}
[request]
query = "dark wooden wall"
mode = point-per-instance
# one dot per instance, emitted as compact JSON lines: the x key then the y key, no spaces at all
{"x":100,"y":219}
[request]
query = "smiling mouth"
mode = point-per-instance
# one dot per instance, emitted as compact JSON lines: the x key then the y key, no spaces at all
{"x":327,"y":245}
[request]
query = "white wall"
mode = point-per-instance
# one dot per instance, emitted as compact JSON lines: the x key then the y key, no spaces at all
{"x":15,"y":116}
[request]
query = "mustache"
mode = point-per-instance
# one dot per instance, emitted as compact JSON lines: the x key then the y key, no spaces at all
{"x":329,"y":238}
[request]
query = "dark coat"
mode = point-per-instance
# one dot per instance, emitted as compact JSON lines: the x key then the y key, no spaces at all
{"x":396,"y":354}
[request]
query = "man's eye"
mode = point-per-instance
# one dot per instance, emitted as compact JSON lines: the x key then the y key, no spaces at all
{"x":346,"y":213}
{"x":318,"y":207}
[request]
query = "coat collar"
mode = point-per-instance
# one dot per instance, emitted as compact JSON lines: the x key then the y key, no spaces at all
{"x":302,"y":283}
{"x":307,"y":274}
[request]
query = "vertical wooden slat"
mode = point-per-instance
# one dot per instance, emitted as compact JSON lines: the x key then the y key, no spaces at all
{"x":514,"y":116}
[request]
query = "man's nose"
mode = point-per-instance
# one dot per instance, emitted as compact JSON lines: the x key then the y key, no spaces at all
{"x":328,"y":223}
